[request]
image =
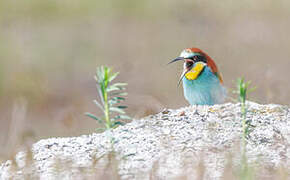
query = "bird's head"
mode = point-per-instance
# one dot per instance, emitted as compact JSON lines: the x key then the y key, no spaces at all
{"x":195,"y":60}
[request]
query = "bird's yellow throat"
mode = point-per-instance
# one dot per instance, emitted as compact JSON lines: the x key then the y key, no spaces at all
{"x":195,"y":71}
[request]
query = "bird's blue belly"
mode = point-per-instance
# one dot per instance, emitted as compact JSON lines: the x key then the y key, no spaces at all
{"x":205,"y":90}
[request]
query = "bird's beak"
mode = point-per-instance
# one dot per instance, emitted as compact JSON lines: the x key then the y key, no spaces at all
{"x":176,"y":59}
{"x":182,"y":75}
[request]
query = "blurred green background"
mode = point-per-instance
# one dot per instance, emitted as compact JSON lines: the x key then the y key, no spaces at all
{"x":49,"y":51}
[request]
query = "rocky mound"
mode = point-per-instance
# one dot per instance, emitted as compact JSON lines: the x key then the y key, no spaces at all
{"x":187,"y":142}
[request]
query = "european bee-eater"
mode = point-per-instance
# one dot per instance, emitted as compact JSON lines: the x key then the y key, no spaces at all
{"x":202,"y":82}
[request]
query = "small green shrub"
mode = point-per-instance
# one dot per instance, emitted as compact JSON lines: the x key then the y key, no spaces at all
{"x":246,"y":171}
{"x":242,"y":91}
{"x":111,"y":95}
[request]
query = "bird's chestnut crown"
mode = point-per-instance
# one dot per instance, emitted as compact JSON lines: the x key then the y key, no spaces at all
{"x":190,"y":57}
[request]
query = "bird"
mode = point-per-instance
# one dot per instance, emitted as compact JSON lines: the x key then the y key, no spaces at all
{"x":202,"y":82}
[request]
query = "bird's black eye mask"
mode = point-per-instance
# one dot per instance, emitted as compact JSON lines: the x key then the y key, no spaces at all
{"x":198,"y":58}
{"x":189,"y":64}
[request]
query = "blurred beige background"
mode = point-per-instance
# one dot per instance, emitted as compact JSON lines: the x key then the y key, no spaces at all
{"x":49,"y":51}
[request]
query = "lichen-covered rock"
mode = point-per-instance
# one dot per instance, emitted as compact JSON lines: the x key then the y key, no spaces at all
{"x":189,"y":142}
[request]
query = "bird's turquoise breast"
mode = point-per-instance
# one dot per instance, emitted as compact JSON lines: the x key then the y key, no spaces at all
{"x":205,"y":90}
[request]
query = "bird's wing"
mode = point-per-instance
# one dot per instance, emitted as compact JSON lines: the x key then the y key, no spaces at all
{"x":214,"y":68}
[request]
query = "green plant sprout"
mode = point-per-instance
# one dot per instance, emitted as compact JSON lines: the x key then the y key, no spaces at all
{"x":111,"y":95}
{"x":242,"y":91}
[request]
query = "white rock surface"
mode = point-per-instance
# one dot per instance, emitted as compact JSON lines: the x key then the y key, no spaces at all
{"x":169,"y":144}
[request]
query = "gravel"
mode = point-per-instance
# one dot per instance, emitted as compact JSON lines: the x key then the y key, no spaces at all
{"x":192,"y":141}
